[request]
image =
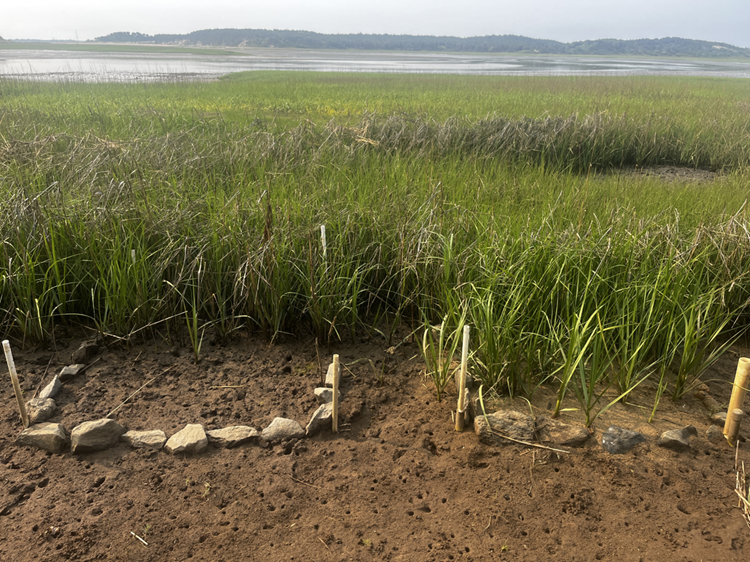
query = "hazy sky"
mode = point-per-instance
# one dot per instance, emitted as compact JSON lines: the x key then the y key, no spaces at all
{"x":725,"y":21}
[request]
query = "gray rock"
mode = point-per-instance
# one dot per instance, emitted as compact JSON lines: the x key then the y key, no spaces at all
{"x":51,"y":437}
{"x":325,"y":395}
{"x":320,"y":420}
{"x":52,"y":389}
{"x":231,"y":436}
{"x":40,"y":409}
{"x":329,"y":376}
{"x":511,"y":424}
{"x":71,"y":371}
{"x":190,"y":439}
{"x":719,"y":418}
{"x":618,"y":441}
{"x":85,"y":352}
{"x":95,"y":435}
{"x":281,"y":429}
{"x":714,"y":434}
{"x":561,"y":433}
{"x":153,"y":439}
{"x":677,"y":439}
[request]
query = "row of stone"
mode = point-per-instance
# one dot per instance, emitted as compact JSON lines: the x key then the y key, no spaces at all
{"x":104,"y":433}
{"x":505,"y":427}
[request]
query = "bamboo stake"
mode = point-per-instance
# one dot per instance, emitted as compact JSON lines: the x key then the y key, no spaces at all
{"x":14,"y":380}
{"x":739,"y":389}
{"x":735,"y":420}
{"x":323,"y":239}
{"x":336,"y":376}
{"x":461,"y":408}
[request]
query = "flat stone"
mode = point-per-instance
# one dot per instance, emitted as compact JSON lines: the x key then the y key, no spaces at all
{"x":618,"y":441}
{"x":40,"y":409}
{"x":51,"y":437}
{"x":714,"y":434}
{"x":325,"y":395}
{"x":84,"y":352}
{"x":719,"y":418}
{"x":71,"y":371}
{"x":281,"y":429}
{"x":512,"y":424}
{"x":95,"y":435}
{"x":229,"y":437}
{"x":677,"y":439}
{"x":190,"y":439}
{"x":153,"y":439}
{"x":561,"y":433}
{"x":52,"y":389}
{"x":320,"y":420}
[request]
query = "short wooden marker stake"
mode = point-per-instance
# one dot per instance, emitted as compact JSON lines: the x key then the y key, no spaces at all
{"x":14,"y":380}
{"x":461,"y":407}
{"x":336,"y":377}
{"x":741,"y":384}
{"x":735,"y":420}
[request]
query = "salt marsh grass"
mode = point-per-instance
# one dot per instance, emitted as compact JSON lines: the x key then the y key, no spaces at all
{"x":142,"y":210}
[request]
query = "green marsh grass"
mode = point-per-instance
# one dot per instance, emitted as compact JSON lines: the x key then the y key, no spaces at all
{"x":507,"y":203}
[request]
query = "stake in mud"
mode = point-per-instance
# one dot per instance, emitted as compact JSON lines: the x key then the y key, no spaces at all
{"x":14,"y":380}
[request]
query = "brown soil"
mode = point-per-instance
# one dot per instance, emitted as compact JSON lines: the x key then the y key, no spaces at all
{"x":397,"y":483}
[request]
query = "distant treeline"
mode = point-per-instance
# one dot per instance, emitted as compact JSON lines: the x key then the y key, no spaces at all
{"x":666,"y":47}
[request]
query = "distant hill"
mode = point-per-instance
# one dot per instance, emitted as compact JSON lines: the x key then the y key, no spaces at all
{"x":665,"y":47}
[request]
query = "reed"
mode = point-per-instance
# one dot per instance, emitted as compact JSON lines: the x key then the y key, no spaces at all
{"x":148,"y":211}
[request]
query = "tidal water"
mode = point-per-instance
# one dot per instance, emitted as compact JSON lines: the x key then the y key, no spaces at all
{"x":125,"y":67}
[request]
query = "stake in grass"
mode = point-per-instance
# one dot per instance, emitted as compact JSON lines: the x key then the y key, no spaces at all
{"x":461,"y":407}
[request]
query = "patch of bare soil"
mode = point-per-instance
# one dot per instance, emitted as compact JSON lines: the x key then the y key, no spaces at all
{"x":397,"y":483}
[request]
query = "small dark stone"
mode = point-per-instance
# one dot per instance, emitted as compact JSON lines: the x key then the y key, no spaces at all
{"x":677,"y":439}
{"x":618,"y":441}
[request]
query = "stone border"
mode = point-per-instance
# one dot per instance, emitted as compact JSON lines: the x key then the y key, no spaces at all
{"x":102,"y":434}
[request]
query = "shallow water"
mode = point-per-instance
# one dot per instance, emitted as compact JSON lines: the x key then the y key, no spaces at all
{"x":125,"y":67}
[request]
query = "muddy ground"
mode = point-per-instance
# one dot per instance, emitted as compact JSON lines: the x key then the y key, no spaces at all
{"x":397,"y":483}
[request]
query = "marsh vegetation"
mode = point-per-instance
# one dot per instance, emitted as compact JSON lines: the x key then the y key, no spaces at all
{"x":156,"y":210}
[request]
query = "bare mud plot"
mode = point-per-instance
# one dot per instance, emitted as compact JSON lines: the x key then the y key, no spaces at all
{"x":397,"y":483}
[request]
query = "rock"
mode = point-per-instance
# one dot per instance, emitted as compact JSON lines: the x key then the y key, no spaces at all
{"x":40,"y":409}
{"x":325,"y":395}
{"x":95,"y":435}
{"x":85,"y":352}
{"x":709,"y":402}
{"x":231,"y":436}
{"x":329,"y":376}
{"x":719,"y":418}
{"x":714,"y":434}
{"x":618,"y":441}
{"x":71,"y":371}
{"x":512,"y":424}
{"x":677,"y":439}
{"x":153,"y":439}
{"x":190,"y":439}
{"x":51,"y":437}
{"x":52,"y":389}
{"x":555,"y":431}
{"x":281,"y":429}
{"x":321,"y":419}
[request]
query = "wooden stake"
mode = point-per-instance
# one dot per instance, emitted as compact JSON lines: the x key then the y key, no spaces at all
{"x":735,"y":419}
{"x":14,"y":380}
{"x":741,"y":384}
{"x":461,"y":408}
{"x":336,"y":376}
